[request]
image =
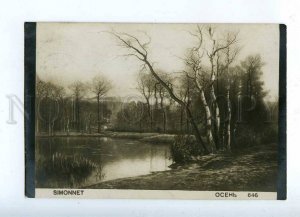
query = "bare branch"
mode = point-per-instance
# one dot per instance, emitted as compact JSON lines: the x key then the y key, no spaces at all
{"x":128,"y":44}
{"x":136,"y":40}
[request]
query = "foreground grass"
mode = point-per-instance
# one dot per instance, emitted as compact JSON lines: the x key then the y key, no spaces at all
{"x":255,"y":169}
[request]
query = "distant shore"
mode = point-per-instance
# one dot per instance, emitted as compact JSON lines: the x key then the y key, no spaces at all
{"x":146,"y":137}
{"x":254,"y":170}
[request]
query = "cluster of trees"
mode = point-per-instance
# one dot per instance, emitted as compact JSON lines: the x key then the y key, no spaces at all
{"x":149,"y":114}
{"x":78,"y":108}
{"x":215,"y":92}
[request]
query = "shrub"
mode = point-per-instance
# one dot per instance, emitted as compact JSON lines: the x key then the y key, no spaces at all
{"x":183,"y":149}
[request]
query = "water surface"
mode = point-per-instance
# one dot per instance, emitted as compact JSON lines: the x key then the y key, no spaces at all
{"x":81,"y":161}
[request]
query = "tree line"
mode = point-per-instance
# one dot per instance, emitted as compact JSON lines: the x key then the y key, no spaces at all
{"x":76,"y":108}
{"x":208,"y":88}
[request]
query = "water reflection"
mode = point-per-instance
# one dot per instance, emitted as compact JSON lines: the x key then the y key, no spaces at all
{"x":76,"y":162}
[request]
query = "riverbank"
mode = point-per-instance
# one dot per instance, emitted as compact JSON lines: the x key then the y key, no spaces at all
{"x":254,"y":169}
{"x":145,"y":137}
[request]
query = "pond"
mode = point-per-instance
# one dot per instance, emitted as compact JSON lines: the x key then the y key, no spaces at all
{"x":74,"y":162}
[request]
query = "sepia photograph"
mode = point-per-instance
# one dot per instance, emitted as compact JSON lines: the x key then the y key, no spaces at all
{"x":137,"y":108}
{"x":164,"y":107}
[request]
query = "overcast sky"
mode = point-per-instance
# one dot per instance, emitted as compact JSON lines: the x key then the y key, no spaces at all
{"x":79,"y":51}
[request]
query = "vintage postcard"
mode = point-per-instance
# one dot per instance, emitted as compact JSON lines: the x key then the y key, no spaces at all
{"x":156,"y":111}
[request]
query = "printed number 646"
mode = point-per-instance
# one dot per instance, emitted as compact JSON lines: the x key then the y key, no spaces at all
{"x":252,"y":194}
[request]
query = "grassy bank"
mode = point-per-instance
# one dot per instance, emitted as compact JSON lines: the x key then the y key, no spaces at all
{"x":145,"y":137}
{"x":253,"y":170}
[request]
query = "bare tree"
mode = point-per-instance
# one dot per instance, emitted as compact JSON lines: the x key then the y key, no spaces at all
{"x":60,"y":95}
{"x":215,"y":48}
{"x":40,"y":94}
{"x":139,"y":50}
{"x":197,"y":77}
{"x":146,"y":85}
{"x":49,"y":95}
{"x":252,"y":65}
{"x":100,"y":87}
{"x":193,"y":61}
{"x":230,"y":55}
{"x":185,"y":95}
{"x":78,"y":90}
{"x":163,"y":95}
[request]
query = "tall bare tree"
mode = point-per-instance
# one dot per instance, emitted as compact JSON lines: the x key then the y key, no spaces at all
{"x":78,"y":90}
{"x":198,"y":75}
{"x":215,"y":48}
{"x":48,"y":97}
{"x":185,"y":94}
{"x":162,"y":96}
{"x":100,"y":87}
{"x":40,"y":94}
{"x":146,"y":85}
{"x":230,"y":56}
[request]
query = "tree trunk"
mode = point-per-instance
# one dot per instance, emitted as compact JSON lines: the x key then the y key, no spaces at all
{"x":140,"y":125}
{"x":216,"y":115}
{"x":52,"y":129}
{"x":164,"y":120}
{"x":187,"y":126}
{"x":90,"y":120}
{"x":163,"y":110}
{"x":228,"y":122}
{"x":98,"y":113}
{"x":37,"y":125}
{"x":49,"y":129}
{"x":78,"y":115}
{"x":141,"y":118}
{"x":156,"y":98}
{"x":196,"y":131}
{"x":68,"y":126}
{"x":49,"y":121}
{"x":209,"y":135}
{"x":186,"y":118}
{"x":149,"y":114}
{"x":181,"y":120}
